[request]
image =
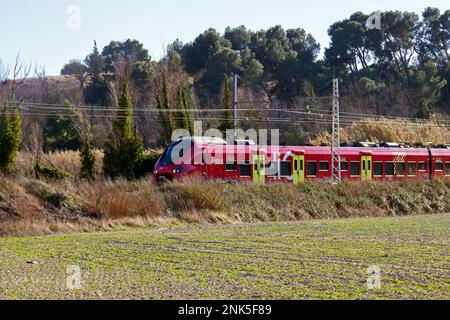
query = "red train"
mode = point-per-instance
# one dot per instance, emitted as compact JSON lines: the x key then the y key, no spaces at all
{"x":214,"y":160}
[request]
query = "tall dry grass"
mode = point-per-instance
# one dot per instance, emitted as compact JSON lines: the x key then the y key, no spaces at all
{"x":31,"y":206}
{"x":390,"y":131}
{"x":68,"y":161}
{"x":120,"y":199}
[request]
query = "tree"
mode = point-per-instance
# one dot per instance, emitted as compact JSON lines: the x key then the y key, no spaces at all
{"x":288,"y":58}
{"x":197,"y":54}
{"x":225,"y":61}
{"x":134,"y":53}
{"x":60,"y":132}
{"x":124,"y":149}
{"x":74,"y":67}
{"x":226,"y":122}
{"x":251,"y":70}
{"x":95,"y":61}
{"x":183,"y":117}
{"x":77,"y":69}
{"x":96,"y":92}
{"x":399,"y":40}
{"x":350,"y":43}
{"x":165,"y":117}
{"x":10,"y":136}
{"x":428,"y":86}
{"x":434,"y":37}
{"x":239,"y":37}
{"x":87,"y":160}
{"x":83,"y":128}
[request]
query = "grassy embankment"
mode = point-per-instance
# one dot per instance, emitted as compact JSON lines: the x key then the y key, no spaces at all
{"x":29,"y":206}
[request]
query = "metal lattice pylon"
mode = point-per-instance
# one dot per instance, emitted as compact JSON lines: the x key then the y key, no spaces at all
{"x":336,"y":136}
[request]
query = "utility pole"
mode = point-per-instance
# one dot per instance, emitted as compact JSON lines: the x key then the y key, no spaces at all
{"x":336,"y":138}
{"x":235,"y":103}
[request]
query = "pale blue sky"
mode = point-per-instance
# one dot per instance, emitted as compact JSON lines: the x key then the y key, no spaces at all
{"x":38,"y":29}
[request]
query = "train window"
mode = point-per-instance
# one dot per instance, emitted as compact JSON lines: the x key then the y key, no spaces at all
{"x":412,"y":169}
{"x":286,"y":169}
{"x":344,"y":166}
{"x":231,"y":166}
{"x":355,"y":169}
{"x":272,"y":169}
{"x":447,"y":168}
{"x":324,"y":166}
{"x":439,"y":166}
{"x":311,"y":168}
{"x":389,"y":169}
{"x":423,"y":166}
{"x":245,"y":170}
{"x":400,"y":169}
{"x":378,"y":169}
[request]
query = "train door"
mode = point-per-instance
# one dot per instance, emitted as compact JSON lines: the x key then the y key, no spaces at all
{"x":259,"y":172}
{"x":366,"y":168}
{"x":299,"y":169}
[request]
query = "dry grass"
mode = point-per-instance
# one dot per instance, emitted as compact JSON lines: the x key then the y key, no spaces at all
{"x":390,"y":131}
{"x":16,"y":204}
{"x":29,"y":206}
{"x":121,"y":200}
{"x":68,"y":161}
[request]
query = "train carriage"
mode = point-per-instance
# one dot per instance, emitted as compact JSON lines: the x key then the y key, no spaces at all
{"x":440,"y":162}
{"x":214,"y":160}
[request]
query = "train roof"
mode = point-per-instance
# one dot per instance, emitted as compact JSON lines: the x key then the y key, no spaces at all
{"x":349,"y":151}
{"x":440,"y":152}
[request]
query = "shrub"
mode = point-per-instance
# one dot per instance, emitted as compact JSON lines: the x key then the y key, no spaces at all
{"x":47,"y":172}
{"x":147,"y":164}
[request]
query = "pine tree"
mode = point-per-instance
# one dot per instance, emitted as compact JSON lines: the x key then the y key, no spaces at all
{"x":124,"y":149}
{"x":227,"y":118}
{"x":10,"y":136}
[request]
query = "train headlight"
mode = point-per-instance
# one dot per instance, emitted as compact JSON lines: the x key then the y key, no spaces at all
{"x":178,"y":170}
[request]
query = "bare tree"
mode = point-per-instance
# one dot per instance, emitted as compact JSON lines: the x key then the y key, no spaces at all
{"x":5,"y":70}
{"x":20,"y":72}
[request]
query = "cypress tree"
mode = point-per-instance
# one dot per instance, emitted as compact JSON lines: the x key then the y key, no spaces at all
{"x":226,"y":122}
{"x":10,"y":136}
{"x":183,"y":117}
{"x":87,"y":159}
{"x":124,"y":149}
{"x":187,"y":106}
{"x":165,"y":117}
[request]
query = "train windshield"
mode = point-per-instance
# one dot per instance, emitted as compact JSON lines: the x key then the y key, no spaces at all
{"x":169,"y":156}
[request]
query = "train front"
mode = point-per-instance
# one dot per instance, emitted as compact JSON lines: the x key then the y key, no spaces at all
{"x":178,"y":162}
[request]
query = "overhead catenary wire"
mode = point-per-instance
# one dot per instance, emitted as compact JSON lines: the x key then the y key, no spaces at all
{"x":314,"y":115}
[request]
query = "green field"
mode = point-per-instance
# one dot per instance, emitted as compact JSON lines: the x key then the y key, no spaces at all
{"x":302,"y":260}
